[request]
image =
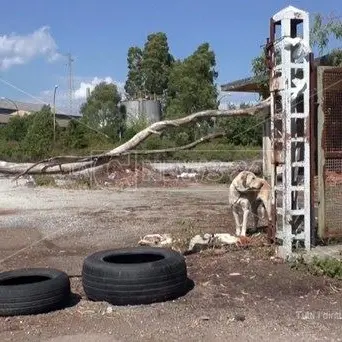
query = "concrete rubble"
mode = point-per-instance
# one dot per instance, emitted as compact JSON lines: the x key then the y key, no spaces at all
{"x":201,"y":242}
{"x":187,"y":175}
{"x":27,"y":180}
{"x":156,"y":240}
{"x":196,"y":244}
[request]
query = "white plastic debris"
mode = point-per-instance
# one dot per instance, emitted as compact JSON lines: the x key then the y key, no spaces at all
{"x":30,"y":182}
{"x":112,"y":176}
{"x":187,"y":175}
{"x":156,"y":240}
{"x":226,"y":239}
{"x":198,"y":242}
{"x":109,"y":310}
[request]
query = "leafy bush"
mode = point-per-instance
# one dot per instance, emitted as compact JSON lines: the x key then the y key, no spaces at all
{"x":75,"y":136}
{"x":244,"y":131}
{"x":30,"y":138}
{"x":134,"y":126}
{"x":38,"y":142}
{"x":17,"y":127}
{"x":328,"y":266}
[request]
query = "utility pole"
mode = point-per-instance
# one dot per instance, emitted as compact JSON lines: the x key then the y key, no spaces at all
{"x":54,"y":113}
{"x":71,"y":83}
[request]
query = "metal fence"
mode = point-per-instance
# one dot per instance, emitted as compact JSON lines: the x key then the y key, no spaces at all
{"x":329,"y":151}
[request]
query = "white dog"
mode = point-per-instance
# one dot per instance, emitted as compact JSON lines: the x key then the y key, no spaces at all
{"x":248,"y":192}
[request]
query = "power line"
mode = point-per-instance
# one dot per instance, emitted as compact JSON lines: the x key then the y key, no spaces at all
{"x":46,"y":103}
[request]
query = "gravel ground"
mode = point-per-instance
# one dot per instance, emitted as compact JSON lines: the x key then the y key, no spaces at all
{"x":240,"y":295}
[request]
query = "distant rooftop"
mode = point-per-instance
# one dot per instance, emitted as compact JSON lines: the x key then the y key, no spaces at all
{"x":246,"y":85}
{"x":252,"y":84}
{"x":27,"y":107}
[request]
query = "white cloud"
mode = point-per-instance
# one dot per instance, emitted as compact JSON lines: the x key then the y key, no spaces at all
{"x":79,"y":96}
{"x":81,"y":91}
{"x":21,"y":49}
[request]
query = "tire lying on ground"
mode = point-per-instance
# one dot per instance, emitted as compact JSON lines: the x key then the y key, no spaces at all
{"x":33,"y":291}
{"x":134,"y":276}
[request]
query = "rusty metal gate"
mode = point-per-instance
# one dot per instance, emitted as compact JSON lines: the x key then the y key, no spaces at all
{"x":329,"y":151}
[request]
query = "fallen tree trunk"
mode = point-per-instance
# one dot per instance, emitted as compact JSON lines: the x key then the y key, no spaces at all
{"x":38,"y":168}
{"x":65,"y":164}
{"x":156,"y":128}
{"x":88,"y":164}
{"x":174,"y":168}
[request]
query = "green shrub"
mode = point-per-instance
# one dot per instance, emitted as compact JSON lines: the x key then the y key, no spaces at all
{"x":17,"y":127}
{"x":38,"y":142}
{"x":30,"y":138}
{"x":328,"y":266}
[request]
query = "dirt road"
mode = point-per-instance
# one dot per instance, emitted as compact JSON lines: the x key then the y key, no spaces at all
{"x":263,"y":301}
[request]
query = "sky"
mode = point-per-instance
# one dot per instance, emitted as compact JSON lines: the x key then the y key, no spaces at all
{"x":36,"y":35}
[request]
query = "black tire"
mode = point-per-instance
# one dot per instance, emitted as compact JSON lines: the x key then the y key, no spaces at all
{"x":33,"y":291}
{"x":134,"y":276}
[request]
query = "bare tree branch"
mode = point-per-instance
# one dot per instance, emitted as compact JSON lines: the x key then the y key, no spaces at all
{"x":59,"y":160}
{"x":179,"y":148}
{"x":261,"y":108}
{"x":76,"y":164}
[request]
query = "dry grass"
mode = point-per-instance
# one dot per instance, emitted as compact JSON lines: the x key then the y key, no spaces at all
{"x":182,"y":236}
{"x":45,"y":180}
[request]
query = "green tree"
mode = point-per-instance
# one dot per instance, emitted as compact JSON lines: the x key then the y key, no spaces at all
{"x":192,"y":88}
{"x":135,"y":125}
{"x":260,"y":72}
{"x":38,"y":142}
{"x":134,"y":82}
{"x":156,"y":64}
{"x":101,"y":110}
{"x":75,"y":136}
{"x":192,"y":84}
{"x":242,"y":131}
{"x":321,"y":33}
{"x":17,"y":127}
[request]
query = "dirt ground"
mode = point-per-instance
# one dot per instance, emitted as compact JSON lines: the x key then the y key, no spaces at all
{"x":240,"y":295}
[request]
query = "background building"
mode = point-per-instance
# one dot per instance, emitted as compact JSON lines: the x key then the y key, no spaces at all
{"x":9,"y":108}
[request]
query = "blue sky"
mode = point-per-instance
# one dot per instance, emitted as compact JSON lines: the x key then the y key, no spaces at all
{"x":99,"y":33}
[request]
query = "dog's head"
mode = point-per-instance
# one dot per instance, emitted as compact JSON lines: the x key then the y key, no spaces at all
{"x":247,"y":180}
